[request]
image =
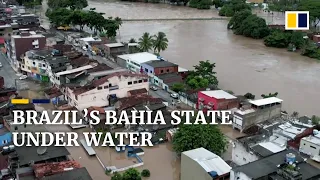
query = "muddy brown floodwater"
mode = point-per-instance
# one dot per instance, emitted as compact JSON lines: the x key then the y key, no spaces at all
{"x":243,"y":64}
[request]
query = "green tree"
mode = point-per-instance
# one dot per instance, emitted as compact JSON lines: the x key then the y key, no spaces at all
{"x":315,"y":120}
{"x":200,"y":4}
{"x":145,"y":42}
{"x":253,"y":26}
{"x":178,"y":87}
{"x":145,"y":173}
{"x":131,"y":174}
{"x":205,"y":70}
{"x":116,"y":176}
{"x":80,"y":18}
{"x":60,"y":16}
{"x":311,"y":50}
{"x":277,"y":39}
{"x":160,"y":42}
{"x":313,"y":6}
{"x":190,"y":137}
{"x":249,"y":96}
{"x":236,"y":20}
{"x":297,"y":39}
{"x":269,"y":95}
{"x":233,"y":6}
{"x":111,"y":26}
{"x":196,"y":82}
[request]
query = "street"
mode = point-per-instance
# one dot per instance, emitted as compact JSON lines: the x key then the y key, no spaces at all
{"x":10,"y":77}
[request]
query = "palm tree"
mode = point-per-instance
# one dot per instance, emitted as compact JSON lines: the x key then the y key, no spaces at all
{"x":145,"y":42}
{"x":160,"y":42}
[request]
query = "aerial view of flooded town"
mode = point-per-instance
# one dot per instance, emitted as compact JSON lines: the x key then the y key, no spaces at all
{"x":162,"y":56}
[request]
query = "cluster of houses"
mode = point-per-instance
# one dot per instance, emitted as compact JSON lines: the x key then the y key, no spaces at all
{"x":34,"y":162}
{"x":276,"y":146}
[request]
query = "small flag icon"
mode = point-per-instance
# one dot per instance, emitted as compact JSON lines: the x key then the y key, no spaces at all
{"x":297,"y":20}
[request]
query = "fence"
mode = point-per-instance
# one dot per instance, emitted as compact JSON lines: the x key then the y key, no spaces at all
{"x":188,"y":102}
{"x":128,"y":167}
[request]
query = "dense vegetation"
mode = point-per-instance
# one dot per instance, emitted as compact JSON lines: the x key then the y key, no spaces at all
{"x":63,"y":13}
{"x":243,"y":22}
{"x":194,"y":136}
{"x":158,"y":42}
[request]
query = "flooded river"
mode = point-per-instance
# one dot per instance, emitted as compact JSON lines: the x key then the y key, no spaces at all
{"x":243,"y":64}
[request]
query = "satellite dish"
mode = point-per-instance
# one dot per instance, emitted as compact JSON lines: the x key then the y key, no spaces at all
{"x":41,"y":150}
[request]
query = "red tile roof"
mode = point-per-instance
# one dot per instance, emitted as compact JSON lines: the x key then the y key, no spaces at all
{"x":99,"y":67}
{"x":127,"y":102}
{"x":48,"y":169}
{"x":100,"y":109}
{"x":101,"y":81}
{"x":137,"y":91}
{"x":98,"y":82}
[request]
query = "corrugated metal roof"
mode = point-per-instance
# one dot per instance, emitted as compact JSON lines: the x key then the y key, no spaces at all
{"x":218,"y":94}
{"x":266,"y":101}
{"x":208,"y":160}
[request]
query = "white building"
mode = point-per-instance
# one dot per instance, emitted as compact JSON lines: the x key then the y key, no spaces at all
{"x":273,"y":139}
{"x":273,"y":167}
{"x":133,"y":61}
{"x":201,"y":164}
{"x":100,"y":92}
{"x":311,"y":145}
{"x":258,"y":111}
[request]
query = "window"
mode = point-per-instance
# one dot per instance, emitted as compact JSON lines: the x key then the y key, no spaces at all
{"x":105,"y":87}
{"x":145,"y":69}
{"x":150,"y":71}
{"x":161,"y":71}
{"x":110,"y":85}
{"x":28,"y":67}
{"x":43,"y":65}
{"x":4,"y":142}
{"x":313,"y":147}
{"x":168,"y":70}
{"x":145,"y":80}
{"x":76,"y":97}
{"x":33,"y":63}
{"x":135,"y":82}
{"x":23,"y":66}
{"x":99,"y":88}
{"x":140,"y":81}
{"x":129,"y":83}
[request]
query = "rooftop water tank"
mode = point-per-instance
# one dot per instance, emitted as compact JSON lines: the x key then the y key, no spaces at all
{"x":290,"y":158}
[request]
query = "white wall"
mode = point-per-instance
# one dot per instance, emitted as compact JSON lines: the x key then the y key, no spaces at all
{"x":240,"y":175}
{"x":305,"y":147}
{"x":28,"y":63}
{"x":241,"y":156}
{"x":99,"y":98}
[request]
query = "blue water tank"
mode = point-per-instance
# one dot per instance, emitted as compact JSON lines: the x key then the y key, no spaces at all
{"x":213,"y":174}
{"x":290,"y":158}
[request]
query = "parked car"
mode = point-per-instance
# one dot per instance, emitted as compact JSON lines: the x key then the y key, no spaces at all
{"x":154,"y":88}
{"x":174,"y":95}
{"x":23,"y":77}
{"x":0,"y":65}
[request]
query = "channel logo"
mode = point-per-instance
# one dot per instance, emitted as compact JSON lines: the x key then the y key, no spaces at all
{"x":297,"y":20}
